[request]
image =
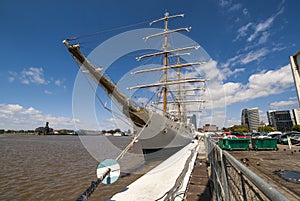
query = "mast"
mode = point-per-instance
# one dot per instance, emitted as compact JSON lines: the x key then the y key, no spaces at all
{"x":165,"y":52}
{"x":165,"y":64}
{"x":179,"y":88}
{"x":138,"y":115}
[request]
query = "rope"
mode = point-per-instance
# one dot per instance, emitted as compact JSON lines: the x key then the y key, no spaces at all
{"x":102,"y":103}
{"x":108,"y":30}
{"x":130,"y":145}
{"x":94,"y":184}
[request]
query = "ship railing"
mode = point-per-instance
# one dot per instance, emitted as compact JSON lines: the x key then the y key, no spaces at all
{"x":232,"y":180}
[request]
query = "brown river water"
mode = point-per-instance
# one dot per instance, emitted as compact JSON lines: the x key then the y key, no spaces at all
{"x":62,"y":167}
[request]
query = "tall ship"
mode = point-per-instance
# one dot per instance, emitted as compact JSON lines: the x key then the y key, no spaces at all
{"x":162,"y":128}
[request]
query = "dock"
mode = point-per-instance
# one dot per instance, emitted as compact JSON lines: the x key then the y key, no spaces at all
{"x":199,"y":184}
{"x":266,"y":163}
{"x":203,"y":171}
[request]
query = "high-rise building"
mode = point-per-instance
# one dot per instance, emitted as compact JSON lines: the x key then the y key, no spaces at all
{"x":270,"y":117}
{"x":295,"y":65}
{"x":192,"y":120}
{"x":296,"y":116}
{"x":250,"y":118}
{"x":281,"y":120}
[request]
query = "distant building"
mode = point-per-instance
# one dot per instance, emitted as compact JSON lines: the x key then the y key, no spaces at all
{"x":281,"y":120}
{"x":296,"y":116}
{"x":192,"y":120}
{"x":295,"y":65}
{"x":270,"y":117}
{"x":250,"y":118}
{"x":210,"y":128}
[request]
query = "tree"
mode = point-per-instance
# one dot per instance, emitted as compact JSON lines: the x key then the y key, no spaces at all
{"x":296,"y":128}
{"x":225,"y":129}
{"x":239,"y":128}
{"x":266,"y":129}
{"x":40,"y":130}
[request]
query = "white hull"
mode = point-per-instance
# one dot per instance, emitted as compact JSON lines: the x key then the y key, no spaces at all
{"x":164,"y":135}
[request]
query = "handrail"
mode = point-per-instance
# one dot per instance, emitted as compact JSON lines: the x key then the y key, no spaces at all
{"x":266,"y":189}
{"x":262,"y":185}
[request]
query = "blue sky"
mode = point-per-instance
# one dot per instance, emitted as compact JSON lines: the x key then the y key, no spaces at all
{"x":248,"y":41}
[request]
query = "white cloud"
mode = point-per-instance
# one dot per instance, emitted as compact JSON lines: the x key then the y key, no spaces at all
{"x":283,"y":104}
{"x":242,"y":31}
{"x":224,"y":3}
{"x":254,"y":56}
{"x":12,"y":76}
{"x":245,"y":11}
{"x":262,"y":26}
{"x":264,"y":38}
{"x":260,"y":85}
{"x":15,"y":116}
{"x":11,"y":79}
{"x":235,"y":7}
{"x":48,"y":92}
{"x":33,"y":75}
{"x":228,"y":72}
{"x":259,"y":29}
{"x":10,"y":108}
{"x":58,"y":82}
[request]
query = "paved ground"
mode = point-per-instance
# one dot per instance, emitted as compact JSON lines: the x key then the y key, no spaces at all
{"x":265,"y":163}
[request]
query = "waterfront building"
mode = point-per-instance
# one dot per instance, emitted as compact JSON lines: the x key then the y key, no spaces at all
{"x":295,"y":65}
{"x":250,"y":118}
{"x":192,"y":120}
{"x":210,"y":128}
{"x":281,"y":120}
{"x":296,"y":116}
{"x":270,"y":117}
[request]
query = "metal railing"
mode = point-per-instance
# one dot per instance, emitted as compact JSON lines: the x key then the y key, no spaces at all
{"x":231,"y":180}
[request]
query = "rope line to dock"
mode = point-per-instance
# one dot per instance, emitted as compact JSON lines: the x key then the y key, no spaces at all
{"x":119,"y":116}
{"x":94,"y":184}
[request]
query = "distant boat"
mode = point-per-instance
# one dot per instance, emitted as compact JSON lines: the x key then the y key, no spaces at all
{"x":161,"y":131}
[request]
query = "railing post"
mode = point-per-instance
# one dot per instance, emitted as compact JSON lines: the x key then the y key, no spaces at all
{"x":224,"y":177}
{"x":244,"y":194}
{"x":222,"y":185}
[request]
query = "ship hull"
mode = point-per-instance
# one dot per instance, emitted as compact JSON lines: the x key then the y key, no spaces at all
{"x":162,"y":137}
